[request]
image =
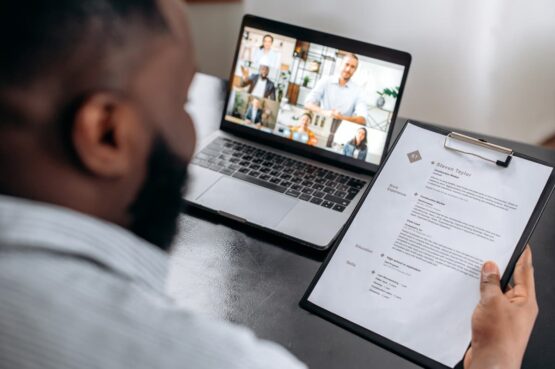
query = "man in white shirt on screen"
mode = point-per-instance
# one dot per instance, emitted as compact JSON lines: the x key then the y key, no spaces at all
{"x":94,"y":146}
{"x":338,"y":97}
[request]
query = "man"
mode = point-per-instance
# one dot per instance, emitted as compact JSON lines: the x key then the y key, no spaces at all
{"x":93,"y":156}
{"x":259,"y":84}
{"x":254,"y":113}
{"x":338,"y":97}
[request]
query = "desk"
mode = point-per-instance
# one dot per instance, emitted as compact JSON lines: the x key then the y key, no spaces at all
{"x":225,"y":270}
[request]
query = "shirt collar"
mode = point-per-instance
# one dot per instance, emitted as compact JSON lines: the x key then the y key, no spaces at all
{"x":35,"y":225}
{"x":335,"y":80}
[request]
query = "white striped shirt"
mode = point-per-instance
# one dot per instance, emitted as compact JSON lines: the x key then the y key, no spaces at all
{"x":78,"y":292}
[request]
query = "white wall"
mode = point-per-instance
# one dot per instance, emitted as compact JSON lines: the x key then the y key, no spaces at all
{"x":482,"y":65}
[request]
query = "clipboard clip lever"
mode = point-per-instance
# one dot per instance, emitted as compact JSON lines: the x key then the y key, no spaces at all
{"x":454,"y":136}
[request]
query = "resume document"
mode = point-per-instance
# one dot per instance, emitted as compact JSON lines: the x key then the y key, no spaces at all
{"x":408,"y":267}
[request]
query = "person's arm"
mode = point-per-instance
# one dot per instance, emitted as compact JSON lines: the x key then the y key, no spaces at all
{"x":358,"y":119}
{"x":245,"y":79}
{"x":359,"y":115}
{"x":313,"y":100}
{"x":502,"y":323}
{"x":272,"y":95}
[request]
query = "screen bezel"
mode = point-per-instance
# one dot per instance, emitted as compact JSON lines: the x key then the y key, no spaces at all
{"x":373,"y":51}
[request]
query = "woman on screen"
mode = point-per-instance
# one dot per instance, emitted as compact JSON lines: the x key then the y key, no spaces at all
{"x":357,"y":147}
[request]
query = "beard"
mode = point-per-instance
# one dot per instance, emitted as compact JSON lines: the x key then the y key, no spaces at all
{"x":156,"y":209}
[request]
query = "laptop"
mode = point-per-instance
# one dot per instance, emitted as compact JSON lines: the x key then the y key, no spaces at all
{"x":307,"y":119}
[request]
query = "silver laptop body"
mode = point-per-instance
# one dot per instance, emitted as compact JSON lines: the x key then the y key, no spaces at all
{"x":285,"y":174}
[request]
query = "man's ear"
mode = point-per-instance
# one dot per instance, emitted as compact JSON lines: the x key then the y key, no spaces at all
{"x":105,"y":134}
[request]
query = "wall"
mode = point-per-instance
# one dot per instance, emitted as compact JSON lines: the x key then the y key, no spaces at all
{"x":482,"y":65}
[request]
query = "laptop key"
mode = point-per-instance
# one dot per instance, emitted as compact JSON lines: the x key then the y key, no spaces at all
{"x":285,"y":176}
{"x":337,"y":200}
{"x":350,"y":196}
{"x":258,"y":182}
{"x":339,"y":208}
{"x":203,"y":156}
{"x":340,"y":194}
{"x":275,"y":180}
{"x":202,"y":163}
{"x":308,"y":191}
{"x":316,"y":200}
{"x":355,"y":183}
{"x":304,"y":197}
{"x":327,"y":204}
{"x":285,"y":183}
{"x":328,"y":190}
{"x":343,"y":188}
{"x":318,"y":186}
{"x":293,"y":193}
{"x":254,"y":173}
{"x":215,"y":167}
{"x":296,"y":187}
{"x":227,"y":171}
{"x":319,"y":194}
{"x":264,"y":177}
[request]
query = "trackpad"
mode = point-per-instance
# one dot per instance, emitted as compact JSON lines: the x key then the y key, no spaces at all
{"x":256,"y":204}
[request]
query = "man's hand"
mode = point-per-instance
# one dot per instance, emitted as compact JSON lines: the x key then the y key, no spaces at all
{"x":245,"y":73}
{"x":502,"y":323}
{"x":336,"y":115}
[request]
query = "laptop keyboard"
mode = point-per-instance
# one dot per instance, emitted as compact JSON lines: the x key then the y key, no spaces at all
{"x":294,"y":178}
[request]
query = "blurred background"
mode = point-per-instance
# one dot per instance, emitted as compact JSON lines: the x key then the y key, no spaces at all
{"x":483,"y":65}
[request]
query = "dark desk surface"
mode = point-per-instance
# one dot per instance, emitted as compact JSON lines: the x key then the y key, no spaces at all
{"x":225,"y":270}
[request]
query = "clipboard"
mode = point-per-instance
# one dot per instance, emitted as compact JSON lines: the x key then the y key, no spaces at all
{"x":450,"y":139}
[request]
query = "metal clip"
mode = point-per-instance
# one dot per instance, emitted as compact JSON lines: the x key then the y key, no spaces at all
{"x":481,"y":143}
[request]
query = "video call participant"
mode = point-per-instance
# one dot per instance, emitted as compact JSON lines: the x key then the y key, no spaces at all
{"x":357,"y":147}
{"x":338,"y":97}
{"x":302,"y":132}
{"x":88,"y":224}
{"x":264,"y":55}
{"x":254,"y":112}
{"x":259,"y":84}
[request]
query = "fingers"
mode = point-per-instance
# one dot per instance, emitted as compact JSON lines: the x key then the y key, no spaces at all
{"x":489,"y":282}
{"x":523,"y":276}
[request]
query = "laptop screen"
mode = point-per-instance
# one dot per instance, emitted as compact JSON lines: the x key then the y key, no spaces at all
{"x":327,"y":98}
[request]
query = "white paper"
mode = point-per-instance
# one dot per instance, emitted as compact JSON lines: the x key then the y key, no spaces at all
{"x":408,"y":267}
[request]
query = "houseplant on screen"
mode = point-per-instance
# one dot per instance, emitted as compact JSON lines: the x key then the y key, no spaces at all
{"x":387,"y":98}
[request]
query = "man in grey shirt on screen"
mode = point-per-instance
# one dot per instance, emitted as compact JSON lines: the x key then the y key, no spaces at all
{"x":93,"y":156}
{"x":337,"y":96}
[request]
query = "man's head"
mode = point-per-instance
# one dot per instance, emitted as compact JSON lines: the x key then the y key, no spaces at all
{"x":267,"y":42}
{"x":263,"y":71}
{"x":91,"y":106}
{"x":348,"y":66}
{"x":255,"y":103}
